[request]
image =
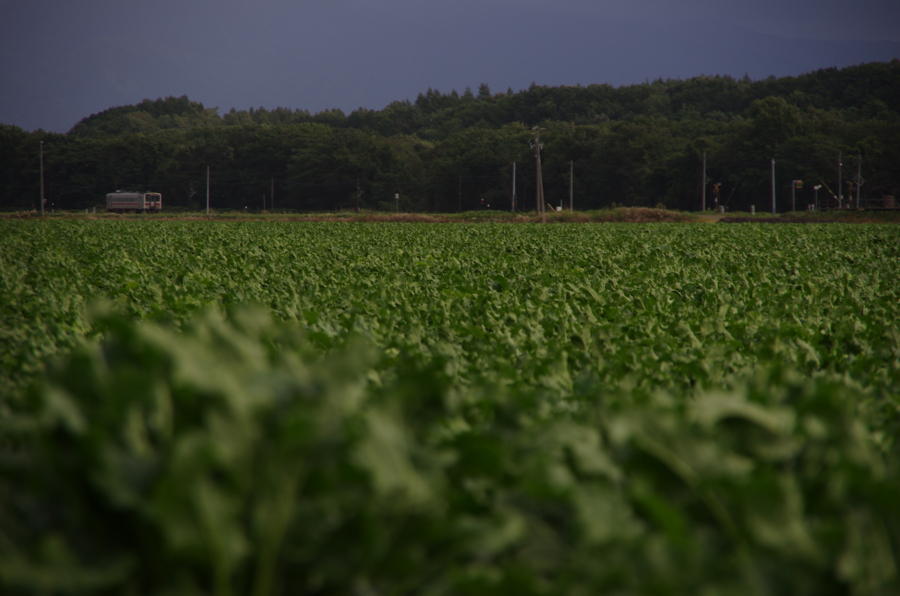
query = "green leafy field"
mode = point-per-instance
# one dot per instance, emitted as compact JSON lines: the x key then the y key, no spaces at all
{"x":335,"y":408}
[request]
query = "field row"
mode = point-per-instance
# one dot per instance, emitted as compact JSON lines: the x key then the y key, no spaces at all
{"x":273,"y":407}
{"x":674,"y":305}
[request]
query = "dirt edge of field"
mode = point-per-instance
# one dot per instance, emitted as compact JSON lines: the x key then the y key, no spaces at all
{"x":629,"y":215}
{"x":618,"y":215}
{"x":625,"y":215}
{"x":804,"y":220}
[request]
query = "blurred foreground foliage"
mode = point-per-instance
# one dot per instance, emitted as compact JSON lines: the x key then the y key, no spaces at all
{"x":232,"y":456}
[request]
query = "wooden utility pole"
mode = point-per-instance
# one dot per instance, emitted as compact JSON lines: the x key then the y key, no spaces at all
{"x":859,"y":179}
{"x":513,"y":201}
{"x":840,"y":195}
{"x":539,"y":181}
{"x":773,"y":188}
{"x":42,"y":178}
{"x":705,"y":182}
{"x":571,"y":186}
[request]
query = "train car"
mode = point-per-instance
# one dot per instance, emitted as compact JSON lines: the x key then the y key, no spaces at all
{"x":134,"y":201}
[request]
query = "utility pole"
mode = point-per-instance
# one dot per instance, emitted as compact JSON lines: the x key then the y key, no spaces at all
{"x":539,"y":181}
{"x":571,"y":186}
{"x":839,"y":195}
{"x":705,"y":182}
{"x":42,"y":178}
{"x":795,"y":184}
{"x":359,"y":193}
{"x":207,"y":191}
{"x":773,"y":188}
{"x":859,"y":179}
{"x":514,"y":188}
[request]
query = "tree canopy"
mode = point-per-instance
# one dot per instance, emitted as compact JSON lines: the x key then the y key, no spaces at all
{"x":633,"y":145}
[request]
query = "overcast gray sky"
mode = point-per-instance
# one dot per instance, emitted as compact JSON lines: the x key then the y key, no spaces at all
{"x":62,"y":60}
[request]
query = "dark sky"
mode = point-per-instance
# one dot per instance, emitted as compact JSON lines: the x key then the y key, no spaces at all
{"x":62,"y":60}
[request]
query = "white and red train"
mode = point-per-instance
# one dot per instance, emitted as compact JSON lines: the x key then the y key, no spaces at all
{"x":134,"y":201}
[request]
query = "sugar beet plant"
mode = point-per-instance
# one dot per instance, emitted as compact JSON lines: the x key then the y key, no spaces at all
{"x":265,"y":408}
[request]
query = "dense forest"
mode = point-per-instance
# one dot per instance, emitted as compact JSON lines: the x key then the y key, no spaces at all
{"x":639,"y":145}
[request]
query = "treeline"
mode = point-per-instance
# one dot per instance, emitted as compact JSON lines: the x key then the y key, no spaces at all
{"x":637,"y":145}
